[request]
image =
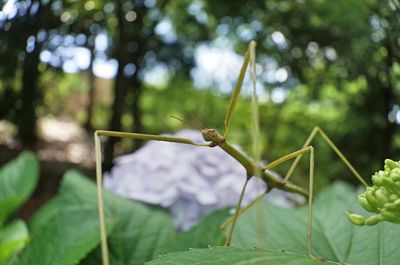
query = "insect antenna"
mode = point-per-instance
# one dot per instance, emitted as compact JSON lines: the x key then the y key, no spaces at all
{"x":177,"y":118}
{"x":198,"y":125}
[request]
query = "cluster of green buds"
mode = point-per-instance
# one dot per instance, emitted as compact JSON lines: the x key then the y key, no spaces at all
{"x":383,"y":198}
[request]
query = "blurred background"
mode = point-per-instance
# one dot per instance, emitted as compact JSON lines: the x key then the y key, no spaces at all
{"x":70,"y":67}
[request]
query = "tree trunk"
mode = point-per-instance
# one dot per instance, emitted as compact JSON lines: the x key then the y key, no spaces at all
{"x":126,"y":84}
{"x":120,"y":91}
{"x":92,"y":92}
{"x":136,"y":111}
{"x":120,"y":88}
{"x":30,"y":97}
{"x":7,"y":101}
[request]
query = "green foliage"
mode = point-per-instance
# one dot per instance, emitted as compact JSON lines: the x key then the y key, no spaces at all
{"x":13,"y":237}
{"x":328,"y":48}
{"x":136,"y":243}
{"x":280,"y":236}
{"x":18,"y":179}
{"x":140,"y":232}
{"x":334,"y":237}
{"x":66,"y":229}
{"x":44,"y":215}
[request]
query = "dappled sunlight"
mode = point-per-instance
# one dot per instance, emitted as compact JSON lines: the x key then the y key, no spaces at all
{"x":7,"y":134}
{"x":59,"y":130}
{"x":60,"y":140}
{"x":64,"y":140}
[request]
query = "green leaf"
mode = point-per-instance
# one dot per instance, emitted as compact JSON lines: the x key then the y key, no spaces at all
{"x":44,"y":215}
{"x":141,"y":232}
{"x":66,"y":229}
{"x":65,"y":240}
{"x":18,"y":179}
{"x":13,"y":238}
{"x":233,"y":256}
{"x":206,"y":233}
{"x":156,"y":237}
{"x":334,"y":237}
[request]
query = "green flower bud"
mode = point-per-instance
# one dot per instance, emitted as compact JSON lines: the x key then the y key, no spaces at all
{"x":387,"y":181}
{"x":390,"y":216}
{"x":390,"y":164}
{"x":390,"y":206}
{"x":381,"y":196}
{"x":395,"y":174}
{"x":396,"y":186}
{"x":373,"y":220}
{"x":369,"y":194}
{"x":393,"y":197}
{"x":377,"y":180}
{"x":356,"y":219}
{"x":391,"y":190}
{"x":362,"y":200}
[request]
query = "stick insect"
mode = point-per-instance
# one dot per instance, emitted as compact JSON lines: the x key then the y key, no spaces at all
{"x":252,"y":166}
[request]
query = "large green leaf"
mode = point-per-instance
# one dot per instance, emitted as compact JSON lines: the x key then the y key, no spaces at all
{"x":233,"y":256}
{"x":66,"y":229}
{"x":334,"y":237}
{"x":44,"y":215}
{"x":13,"y":238}
{"x":139,"y":231}
{"x":156,"y":238}
{"x":18,"y":179}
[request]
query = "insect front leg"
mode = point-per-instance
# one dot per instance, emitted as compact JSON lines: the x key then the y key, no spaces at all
{"x":99,"y":174}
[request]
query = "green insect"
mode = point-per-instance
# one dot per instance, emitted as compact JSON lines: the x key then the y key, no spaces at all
{"x":383,"y":198}
{"x":253,"y":167}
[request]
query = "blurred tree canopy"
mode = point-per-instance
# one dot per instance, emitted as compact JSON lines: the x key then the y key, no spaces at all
{"x":336,"y":64}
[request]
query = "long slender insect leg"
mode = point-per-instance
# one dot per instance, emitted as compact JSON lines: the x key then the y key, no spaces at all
{"x":99,"y":174}
{"x":297,"y":160}
{"x":271,"y":165}
{"x":249,"y":57}
{"x":341,"y":156}
{"x":100,"y":200}
{"x":236,"y":215}
{"x":242,"y":210}
{"x":310,"y":204}
{"x":330,"y":143}
{"x":297,"y":156}
{"x":236,"y":91}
